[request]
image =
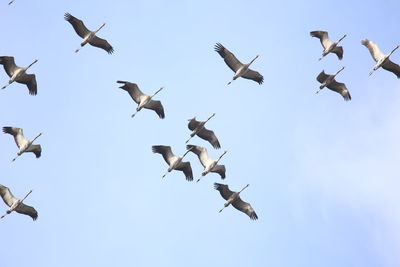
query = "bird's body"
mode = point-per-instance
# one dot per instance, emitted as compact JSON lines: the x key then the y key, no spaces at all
{"x":143,"y":100}
{"x":240,"y":69}
{"x":23,"y":144}
{"x":327,"y":44}
{"x":174,"y":162}
{"x":87,"y":35}
{"x":329,"y":81}
{"x":381,"y":59}
{"x":209,"y":164}
{"x":16,"y":204}
{"x":233,"y":198}
{"x":18,"y":74}
{"x":198,"y":128}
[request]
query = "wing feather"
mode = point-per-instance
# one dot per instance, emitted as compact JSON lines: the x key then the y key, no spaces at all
{"x":7,"y":196}
{"x":220,"y":169}
{"x":157,"y":107}
{"x":132,"y":89}
{"x":392,"y":67}
{"x":253,"y":75}
{"x":223,"y":190}
{"x":27,"y":210}
{"x":228,"y":57}
{"x":209,"y":136}
{"x":102,"y":43}
{"x":187,"y":170}
{"x":165,"y":151}
{"x":18,"y":135}
{"x":374,"y":50}
{"x":30,"y":81}
{"x":322,"y":77}
{"x":9,"y":65}
{"x":340,"y":88}
{"x":77,"y":24}
{"x":245,"y":207}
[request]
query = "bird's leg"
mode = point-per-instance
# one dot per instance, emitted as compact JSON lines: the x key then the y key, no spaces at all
{"x":189,"y":139}
{"x":134,"y":114}
{"x":199,"y":179}
{"x":5,"y":86}
{"x":77,"y":50}
{"x":10,"y":4}
{"x":230,"y":82}
{"x":222,"y":209}
{"x":319,"y":90}
{"x":372,"y":71}
{"x":165,"y":174}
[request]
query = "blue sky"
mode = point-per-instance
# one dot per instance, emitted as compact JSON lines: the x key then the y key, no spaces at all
{"x":323,"y":172}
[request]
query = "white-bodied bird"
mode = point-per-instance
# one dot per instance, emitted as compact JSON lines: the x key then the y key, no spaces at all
{"x":143,"y":101}
{"x":87,"y":35}
{"x":328,"y":45}
{"x":16,"y":204}
{"x":240,"y":69}
{"x":23,"y":144}
{"x":18,"y":74}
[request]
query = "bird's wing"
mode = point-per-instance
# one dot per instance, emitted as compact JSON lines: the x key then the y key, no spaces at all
{"x":157,"y":107}
{"x":253,"y":75}
{"x":376,"y":53}
{"x":341,"y":89}
{"x":78,"y":25}
{"x":322,"y":77}
{"x":245,"y":207}
{"x":132,"y":89}
{"x":27,"y":210}
{"x":18,"y":134}
{"x":392,"y":67}
{"x":223,"y":190}
{"x":228,"y":57}
{"x":36,"y":149}
{"x":209,"y":136}
{"x":165,"y":151}
{"x":101,"y":43}
{"x":7,"y":196}
{"x":193,"y":123}
{"x":30,"y":81}
{"x":338,"y":50}
{"x":323,"y":38}
{"x":201,"y":153}
{"x":220,"y":169}
{"x":9,"y":65}
{"x":187,"y":170}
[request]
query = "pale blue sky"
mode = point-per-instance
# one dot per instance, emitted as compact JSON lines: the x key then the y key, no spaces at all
{"x":323,"y":172}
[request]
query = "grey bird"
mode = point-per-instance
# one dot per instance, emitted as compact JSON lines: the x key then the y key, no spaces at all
{"x":233,"y":198}
{"x":328,"y":45}
{"x":381,"y":59}
{"x":16,"y":204}
{"x":240,"y":69}
{"x":23,"y":144}
{"x":174,"y":162}
{"x":143,"y":101}
{"x":208,"y":164}
{"x":198,"y":128}
{"x":87,"y":35}
{"x":18,"y":74}
{"x":329,"y":81}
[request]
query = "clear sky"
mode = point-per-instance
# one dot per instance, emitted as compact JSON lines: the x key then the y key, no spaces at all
{"x":323,"y":173}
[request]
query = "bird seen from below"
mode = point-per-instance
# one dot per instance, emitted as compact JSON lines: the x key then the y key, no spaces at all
{"x":329,"y":81}
{"x":174,"y":162}
{"x":198,"y":128}
{"x":328,"y":45}
{"x":381,"y":59}
{"x":143,"y":101}
{"x":16,"y":204}
{"x":23,"y":144}
{"x":240,"y":69}
{"x":234,"y":199}
{"x":208,"y":164}
{"x":87,"y":35}
{"x":18,"y":74}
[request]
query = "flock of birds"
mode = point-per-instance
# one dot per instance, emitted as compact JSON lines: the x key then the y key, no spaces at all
{"x":19,"y":75}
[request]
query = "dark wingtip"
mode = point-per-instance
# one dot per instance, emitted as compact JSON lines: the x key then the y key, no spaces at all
{"x":67,"y":16}
{"x":218,"y":47}
{"x":254,"y":216}
{"x":217,"y":186}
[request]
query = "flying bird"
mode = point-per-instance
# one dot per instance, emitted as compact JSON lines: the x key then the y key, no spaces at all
{"x":23,"y":144}
{"x":329,"y":81}
{"x":143,"y":101}
{"x":328,"y":45}
{"x":87,"y":35}
{"x":9,"y":3}
{"x":240,"y":69}
{"x":197,"y":128}
{"x":381,"y":59}
{"x":18,"y":74}
{"x":174,"y":162}
{"x":16,"y":204}
{"x":208,"y":164}
{"x":234,"y":199}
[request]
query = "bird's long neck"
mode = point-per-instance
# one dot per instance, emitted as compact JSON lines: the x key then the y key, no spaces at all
{"x":30,"y":65}
{"x":102,"y":25}
{"x":210,"y":117}
{"x":393,"y":50}
{"x":221,"y":156}
{"x":338,"y":71}
{"x":243,"y":188}
{"x":187,"y":151}
{"x":157,"y":91}
{"x":33,"y":140}
{"x":252,"y":60}
{"x":341,"y":38}
{"x":30,"y":191}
